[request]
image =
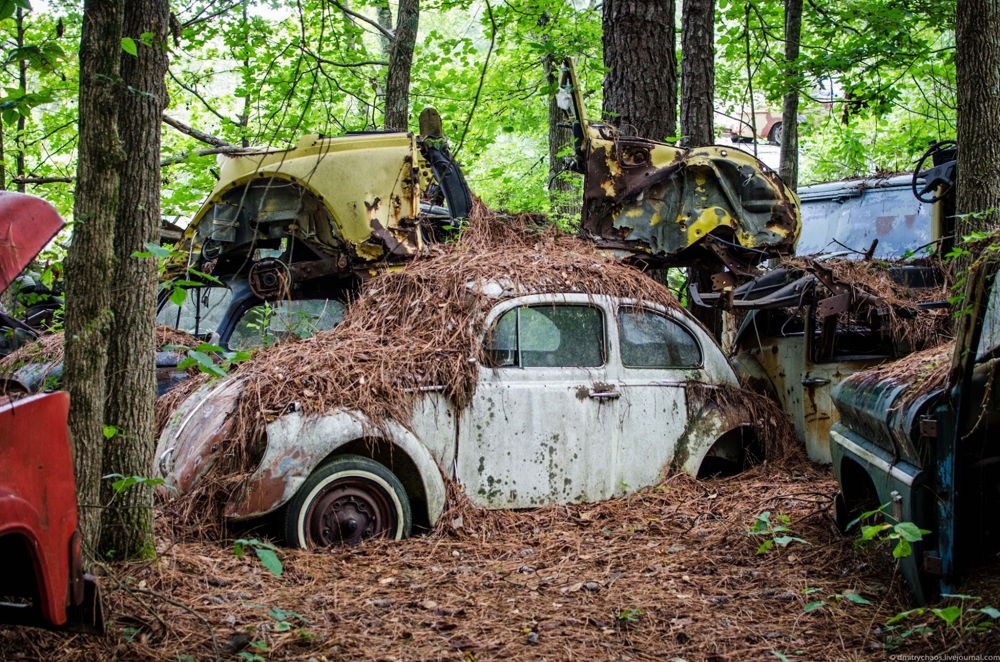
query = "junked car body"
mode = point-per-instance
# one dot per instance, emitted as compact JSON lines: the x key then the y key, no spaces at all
{"x":794,"y":341}
{"x":586,"y":399}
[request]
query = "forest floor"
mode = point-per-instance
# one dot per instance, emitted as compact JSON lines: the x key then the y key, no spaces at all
{"x":670,"y":573}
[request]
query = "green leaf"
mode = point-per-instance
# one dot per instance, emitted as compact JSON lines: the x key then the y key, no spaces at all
{"x":206,"y":347}
{"x":238,"y":548}
{"x":7,"y":8}
{"x":869,"y":532}
{"x":157,"y":250}
{"x":178,"y":296}
{"x":110,"y":431}
{"x":854,"y":597}
{"x":128,"y":45}
{"x":283,"y":626}
{"x":904,"y":614}
{"x":766,"y":546}
{"x":908,"y":531}
{"x":960,"y":596}
{"x":813,"y":606}
{"x":780,"y":656}
{"x":270,"y":561}
{"x":948,"y":614}
{"x":809,"y":591}
{"x":990,"y":611}
{"x":902,"y":549}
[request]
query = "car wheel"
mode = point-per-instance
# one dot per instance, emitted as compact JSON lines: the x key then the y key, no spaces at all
{"x":346,"y":500}
{"x":775,"y":135}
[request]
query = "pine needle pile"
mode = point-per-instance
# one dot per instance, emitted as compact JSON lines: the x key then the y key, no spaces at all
{"x":422,"y":326}
{"x":909,"y":325}
{"x":669,"y":572}
{"x":921,"y":372}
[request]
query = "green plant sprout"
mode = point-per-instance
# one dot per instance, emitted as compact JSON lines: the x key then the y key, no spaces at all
{"x":777,"y":529}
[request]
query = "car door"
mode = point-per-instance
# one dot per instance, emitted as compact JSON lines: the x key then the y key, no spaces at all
{"x":660,"y":352}
{"x":542,"y":425}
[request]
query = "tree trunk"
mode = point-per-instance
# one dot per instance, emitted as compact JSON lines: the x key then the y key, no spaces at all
{"x":127,"y":526}
{"x":22,"y":79}
{"x":384,"y":14}
{"x":560,"y":139}
{"x":698,"y":73}
{"x":789,"y":168}
{"x":89,"y":259}
{"x":640,"y":86}
{"x":977,"y":69}
{"x":397,"y":87}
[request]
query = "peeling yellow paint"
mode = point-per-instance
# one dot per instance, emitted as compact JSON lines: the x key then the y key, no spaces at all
{"x":708,"y":220}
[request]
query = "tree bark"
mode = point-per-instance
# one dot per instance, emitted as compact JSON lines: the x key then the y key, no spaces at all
{"x":698,"y":73}
{"x":789,"y":167}
{"x":89,"y":259}
{"x":384,"y":17}
{"x":397,"y":87}
{"x":640,"y":87}
{"x":977,"y":69}
{"x":22,"y":79}
{"x":560,"y":139}
{"x":127,"y":525}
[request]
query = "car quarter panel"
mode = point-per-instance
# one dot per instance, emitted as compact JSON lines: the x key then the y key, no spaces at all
{"x":298,"y":444}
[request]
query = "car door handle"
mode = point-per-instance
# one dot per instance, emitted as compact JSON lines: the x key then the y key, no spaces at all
{"x":815,"y":382}
{"x":605,"y":395}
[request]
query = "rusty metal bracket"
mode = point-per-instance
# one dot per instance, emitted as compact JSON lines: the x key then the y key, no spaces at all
{"x":928,"y":427}
{"x":722,"y":280}
{"x":734,"y":265}
{"x":833,"y":305}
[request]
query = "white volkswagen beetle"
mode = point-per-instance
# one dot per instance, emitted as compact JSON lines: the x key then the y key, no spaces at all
{"x":585,"y":398}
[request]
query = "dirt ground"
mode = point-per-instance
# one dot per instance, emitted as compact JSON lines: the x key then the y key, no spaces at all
{"x":671,"y":573}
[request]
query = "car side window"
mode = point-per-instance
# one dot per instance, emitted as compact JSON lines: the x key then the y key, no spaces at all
{"x":200,"y":314}
{"x":266,"y":324}
{"x":548,"y":336}
{"x":652,"y":340}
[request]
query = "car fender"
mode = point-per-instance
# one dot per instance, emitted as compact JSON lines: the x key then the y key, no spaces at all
{"x":706,"y":425}
{"x":297,"y":444}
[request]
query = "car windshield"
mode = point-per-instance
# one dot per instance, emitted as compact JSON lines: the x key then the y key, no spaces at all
{"x":844,"y":216}
{"x":268,"y":323}
{"x":201,"y":313}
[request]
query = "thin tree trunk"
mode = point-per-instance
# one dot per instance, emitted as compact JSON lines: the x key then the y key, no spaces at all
{"x":89,"y":259}
{"x":397,"y":87}
{"x":977,"y":69}
{"x":384,"y":16}
{"x":698,"y":73}
{"x":560,"y":139}
{"x":22,"y":78}
{"x":640,"y":87}
{"x":789,"y":168}
{"x":127,"y":526}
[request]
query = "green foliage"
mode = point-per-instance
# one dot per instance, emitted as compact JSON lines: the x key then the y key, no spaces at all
{"x":123,"y":483}
{"x":961,"y":619}
{"x":776,"y":529}
{"x":265,"y":551}
{"x":903,"y":533}
{"x":832,"y":599}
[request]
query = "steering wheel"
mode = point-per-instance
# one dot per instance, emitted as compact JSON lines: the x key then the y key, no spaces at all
{"x":938,"y":176}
